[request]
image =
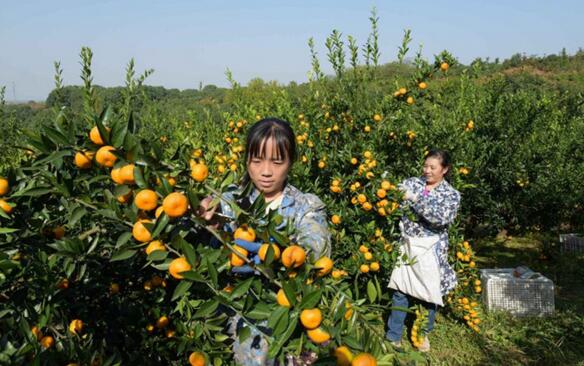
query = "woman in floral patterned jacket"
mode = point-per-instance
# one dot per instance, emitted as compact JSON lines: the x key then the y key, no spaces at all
{"x":270,"y":152}
{"x":434,"y":204}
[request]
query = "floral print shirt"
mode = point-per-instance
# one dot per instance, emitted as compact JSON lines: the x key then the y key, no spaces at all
{"x":434,"y":211}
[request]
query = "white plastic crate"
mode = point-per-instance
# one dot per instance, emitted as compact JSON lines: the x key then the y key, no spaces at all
{"x":519,"y":296}
{"x":572,"y":243}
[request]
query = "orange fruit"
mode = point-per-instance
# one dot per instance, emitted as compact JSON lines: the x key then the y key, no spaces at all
{"x":410,"y":100}
{"x":114,"y":288}
{"x":116,"y":176}
{"x":235,"y":260}
{"x":336,"y":219}
{"x":36,"y":332}
{"x":105,"y":157}
{"x":422,"y":85}
{"x":127,"y":174}
{"x":199,"y":172}
{"x":162,"y":322}
{"x":177,"y":266}
{"x":318,"y":335}
{"x":311,"y":318}
{"x":364,"y":359}
{"x":4,"y":186}
{"x":364,"y":268}
{"x":76,"y":326}
{"x":245,"y":232}
{"x":95,"y":136}
{"x":140,"y":232}
{"x":197,"y":359}
{"x":59,"y":232}
{"x":293,"y":256}
{"x":381,"y":193}
{"x":362,"y":198}
{"x":282,"y":299}
{"x":175,"y":204}
{"x":63,"y":284}
{"x":374,"y":266}
{"x":444,"y":66}
{"x":264,"y":251}
{"x":325,"y":264}
{"x":363,"y":249}
{"x":146,"y":200}
{"x":47,"y":341}
{"x":343,"y":355}
{"x":377,"y":118}
{"x":5,"y":206}
{"x":368,"y":256}
{"x":153,"y":246}
{"x":82,"y":160}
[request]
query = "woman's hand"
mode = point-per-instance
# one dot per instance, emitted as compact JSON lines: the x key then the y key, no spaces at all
{"x":252,"y":248}
{"x":207,"y":213}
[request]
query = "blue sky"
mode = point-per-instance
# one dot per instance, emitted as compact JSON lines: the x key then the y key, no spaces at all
{"x":188,"y":42}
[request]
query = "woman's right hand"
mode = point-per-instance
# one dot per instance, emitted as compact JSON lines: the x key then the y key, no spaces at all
{"x":207,"y":213}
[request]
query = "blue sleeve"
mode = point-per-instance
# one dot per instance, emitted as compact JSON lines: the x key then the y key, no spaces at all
{"x":312,"y":228}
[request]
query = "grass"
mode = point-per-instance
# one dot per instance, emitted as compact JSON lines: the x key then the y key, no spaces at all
{"x":508,"y":340}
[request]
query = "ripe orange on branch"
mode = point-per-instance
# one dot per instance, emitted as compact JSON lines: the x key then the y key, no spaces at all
{"x":324,"y":266}
{"x":140,"y":232}
{"x":175,"y":204}
{"x":311,"y":318}
{"x":318,"y":335}
{"x":245,"y":232}
{"x":96,"y":137}
{"x":264,"y":251}
{"x":282,"y":299}
{"x":105,"y":157}
{"x":82,"y":160}
{"x":364,"y":359}
{"x":177,"y":266}
{"x":146,"y":200}
{"x":197,"y":359}
{"x":154,"y":246}
{"x":235,"y":260}
{"x":293,"y":256}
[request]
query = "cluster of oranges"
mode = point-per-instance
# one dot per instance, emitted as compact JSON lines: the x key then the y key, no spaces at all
{"x":463,"y":170}
{"x":469,"y":126}
{"x":4,"y":188}
{"x":470,"y":310}
{"x":162,"y":325}
{"x":384,"y":207}
{"x":402,"y":93}
{"x":417,"y":333}
{"x":371,"y":264}
{"x":522,"y":182}
{"x":465,"y":254}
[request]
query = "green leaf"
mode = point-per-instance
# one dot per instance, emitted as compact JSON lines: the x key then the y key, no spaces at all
{"x":76,"y":215}
{"x":276,"y":315}
{"x":101,"y":122}
{"x":282,"y":323}
{"x":7,"y":230}
{"x":311,"y":300}
{"x":139,"y":177}
{"x":34,"y":192}
{"x":55,"y":136}
{"x":122,"y":255}
{"x":243,"y":334}
{"x":118,"y":133}
{"x":241,"y":288}
{"x":276,"y":346}
{"x":157,"y":255}
{"x":290,"y":292}
{"x":191,"y":275}
{"x":123,"y":238}
{"x":371,"y":291}
{"x":260,"y":312}
{"x":161,"y":223}
{"x":212,"y":271}
{"x":180,"y":289}
{"x":207,"y":308}
{"x":352,"y":342}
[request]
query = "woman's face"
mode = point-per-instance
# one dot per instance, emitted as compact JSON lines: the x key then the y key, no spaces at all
{"x":433,"y":170}
{"x":269,"y":172}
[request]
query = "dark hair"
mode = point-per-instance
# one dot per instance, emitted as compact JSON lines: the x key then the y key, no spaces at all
{"x":443,"y":156}
{"x":277,"y":129}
